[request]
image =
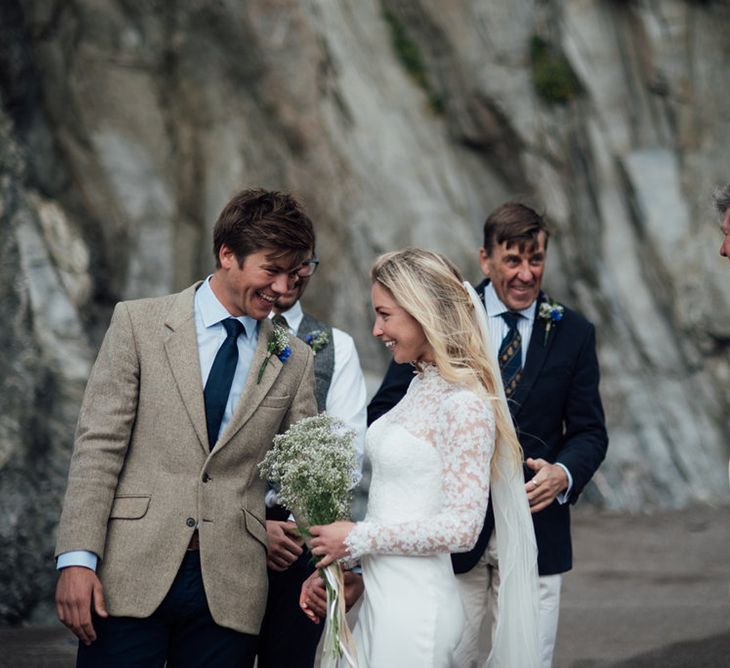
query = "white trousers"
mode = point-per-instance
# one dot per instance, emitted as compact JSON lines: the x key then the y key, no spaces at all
{"x":478,"y":590}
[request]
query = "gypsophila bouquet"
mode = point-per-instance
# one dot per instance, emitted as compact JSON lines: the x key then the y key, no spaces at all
{"x":314,"y":468}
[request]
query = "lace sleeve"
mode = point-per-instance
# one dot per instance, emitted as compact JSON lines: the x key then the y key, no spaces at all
{"x":465,"y":442}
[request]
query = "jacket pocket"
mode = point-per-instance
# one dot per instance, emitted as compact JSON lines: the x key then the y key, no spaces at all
{"x":129,"y":507}
{"x":270,"y":401}
{"x":255,"y":527}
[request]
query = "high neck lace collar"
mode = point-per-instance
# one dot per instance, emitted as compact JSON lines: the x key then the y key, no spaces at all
{"x":427,"y":371}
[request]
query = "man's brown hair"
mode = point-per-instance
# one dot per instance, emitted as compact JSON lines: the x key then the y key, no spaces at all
{"x":256,"y":219}
{"x":514,"y":223}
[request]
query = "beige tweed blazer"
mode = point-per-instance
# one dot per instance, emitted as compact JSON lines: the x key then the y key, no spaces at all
{"x":142,"y":476}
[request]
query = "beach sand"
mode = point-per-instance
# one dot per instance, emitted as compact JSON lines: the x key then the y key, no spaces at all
{"x":646,"y":591}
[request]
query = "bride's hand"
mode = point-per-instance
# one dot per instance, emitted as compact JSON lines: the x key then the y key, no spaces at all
{"x":328,"y":541}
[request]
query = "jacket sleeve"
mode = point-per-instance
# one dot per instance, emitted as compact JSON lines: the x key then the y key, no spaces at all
{"x":585,"y":438}
{"x":103,"y":432}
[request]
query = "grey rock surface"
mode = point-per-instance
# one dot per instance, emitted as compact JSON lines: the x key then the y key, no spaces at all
{"x":125,"y":127}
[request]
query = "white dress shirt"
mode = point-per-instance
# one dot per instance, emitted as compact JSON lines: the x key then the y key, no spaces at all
{"x":347,"y":393}
{"x":498,"y":329}
{"x":209,"y":314}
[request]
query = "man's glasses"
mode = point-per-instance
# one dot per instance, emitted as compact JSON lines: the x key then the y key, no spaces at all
{"x":308,"y":268}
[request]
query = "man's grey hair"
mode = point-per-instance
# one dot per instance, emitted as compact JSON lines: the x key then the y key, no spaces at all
{"x":722,"y":199}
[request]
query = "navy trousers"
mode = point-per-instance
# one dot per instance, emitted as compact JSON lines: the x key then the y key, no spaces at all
{"x":288,"y":639}
{"x":180,"y":632}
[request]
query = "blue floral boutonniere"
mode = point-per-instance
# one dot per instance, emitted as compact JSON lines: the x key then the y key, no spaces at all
{"x":317,"y":340}
{"x":279,"y":346}
{"x":552,"y":312}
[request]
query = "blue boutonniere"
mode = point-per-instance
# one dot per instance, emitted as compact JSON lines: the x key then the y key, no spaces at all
{"x":279,"y":346}
{"x":552,"y":312}
{"x":317,"y":340}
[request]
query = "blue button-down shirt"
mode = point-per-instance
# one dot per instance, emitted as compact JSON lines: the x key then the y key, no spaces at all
{"x":209,"y":316}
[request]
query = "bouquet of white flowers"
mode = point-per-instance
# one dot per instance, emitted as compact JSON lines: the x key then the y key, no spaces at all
{"x":314,"y":467}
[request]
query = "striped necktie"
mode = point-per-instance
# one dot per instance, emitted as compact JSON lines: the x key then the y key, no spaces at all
{"x":510,"y":354}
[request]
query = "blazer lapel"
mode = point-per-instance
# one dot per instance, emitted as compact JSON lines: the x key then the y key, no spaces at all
{"x":537,"y":352}
{"x":253,"y":392}
{"x":181,"y":348}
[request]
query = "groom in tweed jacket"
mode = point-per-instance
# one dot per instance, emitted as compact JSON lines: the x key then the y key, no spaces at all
{"x":162,"y":540}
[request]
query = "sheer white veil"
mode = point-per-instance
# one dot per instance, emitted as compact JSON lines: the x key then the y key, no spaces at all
{"x":515,"y":638}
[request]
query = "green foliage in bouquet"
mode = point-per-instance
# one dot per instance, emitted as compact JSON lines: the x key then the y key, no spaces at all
{"x":313,"y":467}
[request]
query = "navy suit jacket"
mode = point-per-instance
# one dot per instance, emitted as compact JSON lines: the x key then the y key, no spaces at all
{"x":558,"y":416}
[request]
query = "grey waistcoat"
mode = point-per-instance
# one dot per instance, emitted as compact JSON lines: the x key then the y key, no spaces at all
{"x":324,"y":360}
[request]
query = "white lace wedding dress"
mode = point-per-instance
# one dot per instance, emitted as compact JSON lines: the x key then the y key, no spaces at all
{"x":430,"y":460}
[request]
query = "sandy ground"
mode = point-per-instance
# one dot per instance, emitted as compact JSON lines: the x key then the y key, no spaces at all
{"x":646,"y":591}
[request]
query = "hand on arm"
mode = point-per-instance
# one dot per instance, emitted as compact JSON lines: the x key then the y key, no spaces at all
{"x":549,"y":481}
{"x":78,"y":589}
{"x":284,"y":544}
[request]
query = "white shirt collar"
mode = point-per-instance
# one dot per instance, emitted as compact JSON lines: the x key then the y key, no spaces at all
{"x":496,"y":308}
{"x":212,"y":311}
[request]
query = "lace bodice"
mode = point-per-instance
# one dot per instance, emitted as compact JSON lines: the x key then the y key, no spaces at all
{"x":430,"y":459}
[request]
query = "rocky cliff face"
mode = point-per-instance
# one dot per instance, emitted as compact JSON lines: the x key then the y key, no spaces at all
{"x":125,"y":126}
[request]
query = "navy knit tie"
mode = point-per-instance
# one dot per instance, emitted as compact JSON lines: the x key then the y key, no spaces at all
{"x":218,"y":386}
{"x":510,"y":354}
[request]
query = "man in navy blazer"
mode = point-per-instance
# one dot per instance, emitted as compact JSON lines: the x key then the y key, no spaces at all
{"x":555,"y":403}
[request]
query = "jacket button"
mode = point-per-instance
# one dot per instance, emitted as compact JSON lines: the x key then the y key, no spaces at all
{"x":190,"y":522}
{"x":206,"y":477}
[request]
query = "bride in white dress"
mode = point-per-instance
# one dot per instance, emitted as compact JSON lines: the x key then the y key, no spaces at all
{"x":431,"y":458}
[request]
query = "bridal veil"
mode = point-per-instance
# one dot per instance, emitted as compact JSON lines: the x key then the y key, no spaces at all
{"x":515,"y":639}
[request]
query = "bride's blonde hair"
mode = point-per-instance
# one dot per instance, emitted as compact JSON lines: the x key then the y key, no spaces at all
{"x":430,"y":288}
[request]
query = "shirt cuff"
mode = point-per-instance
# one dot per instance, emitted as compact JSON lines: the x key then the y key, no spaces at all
{"x":77,"y":558}
{"x":563,"y":496}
